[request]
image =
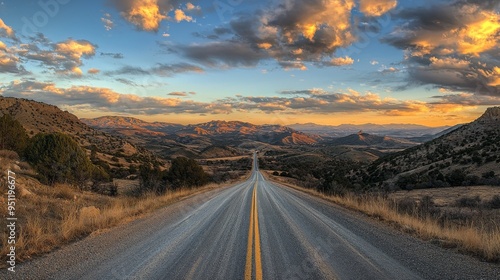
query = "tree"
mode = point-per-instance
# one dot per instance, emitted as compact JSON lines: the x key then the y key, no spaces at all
{"x":12,"y":134}
{"x":186,"y":172}
{"x":59,"y":159}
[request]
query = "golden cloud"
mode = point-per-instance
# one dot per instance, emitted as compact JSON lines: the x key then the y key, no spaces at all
{"x":448,"y":63}
{"x":179,"y":16}
{"x":75,"y":49}
{"x":480,"y":35}
{"x":493,"y":76}
{"x":7,"y":30}
{"x":375,"y":8}
{"x":339,"y":61}
{"x":144,"y":14}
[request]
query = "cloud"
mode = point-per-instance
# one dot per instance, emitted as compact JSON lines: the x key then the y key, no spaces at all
{"x":374,"y":62}
{"x":310,"y":101}
{"x":106,"y":100}
{"x":179,"y":16}
{"x":289,"y":65}
{"x":147,"y":15}
{"x":375,"y":8}
{"x":464,"y":28}
{"x":181,"y":93}
{"x":340,"y":61}
{"x":6,"y":31}
{"x":144,"y":14}
{"x":113,"y":55}
{"x":93,"y":71}
{"x":223,"y":54}
{"x":127,"y":82}
{"x":452,"y":46}
{"x":385,"y":70}
{"x":294,"y":32}
{"x":192,"y":8}
{"x":160,"y":69}
{"x":9,"y":61}
{"x":108,"y":22}
{"x":63,"y":57}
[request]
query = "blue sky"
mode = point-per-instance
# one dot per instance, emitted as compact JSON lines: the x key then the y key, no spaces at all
{"x":286,"y":61}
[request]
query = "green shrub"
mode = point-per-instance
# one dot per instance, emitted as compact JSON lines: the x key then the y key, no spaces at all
{"x":12,"y":135}
{"x":186,"y":172}
{"x":59,"y":159}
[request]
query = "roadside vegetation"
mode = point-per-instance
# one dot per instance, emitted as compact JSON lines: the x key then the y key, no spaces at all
{"x":467,"y":223}
{"x":64,"y":193}
{"x":50,"y":216}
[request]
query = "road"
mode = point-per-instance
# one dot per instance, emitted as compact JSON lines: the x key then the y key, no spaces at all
{"x":253,"y":230}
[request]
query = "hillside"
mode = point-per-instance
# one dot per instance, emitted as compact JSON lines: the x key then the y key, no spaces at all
{"x":38,"y":117}
{"x":464,"y":156}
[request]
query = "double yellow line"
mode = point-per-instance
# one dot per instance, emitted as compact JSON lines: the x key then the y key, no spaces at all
{"x":253,"y":237}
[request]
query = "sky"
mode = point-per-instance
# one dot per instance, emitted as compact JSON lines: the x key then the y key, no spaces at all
{"x":278,"y":62}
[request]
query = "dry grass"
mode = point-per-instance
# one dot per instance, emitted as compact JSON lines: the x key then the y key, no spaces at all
{"x":473,"y":238}
{"x":50,"y":217}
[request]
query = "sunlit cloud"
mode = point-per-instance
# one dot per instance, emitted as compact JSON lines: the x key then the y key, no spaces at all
{"x":9,"y":61}
{"x":6,"y":31}
{"x":179,"y":16}
{"x":106,"y":100}
{"x":144,"y":14}
{"x":375,"y":8}
{"x":340,"y":61}
{"x":451,"y":46}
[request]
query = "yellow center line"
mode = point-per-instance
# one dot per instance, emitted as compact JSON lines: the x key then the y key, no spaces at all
{"x":253,"y":239}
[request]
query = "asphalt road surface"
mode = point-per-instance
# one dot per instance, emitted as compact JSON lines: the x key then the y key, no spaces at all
{"x":253,"y":230}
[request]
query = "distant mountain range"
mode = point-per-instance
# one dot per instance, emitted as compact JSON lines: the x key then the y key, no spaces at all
{"x":371,"y":140}
{"x":171,"y":140}
{"x":392,"y":130}
{"x":214,"y":131}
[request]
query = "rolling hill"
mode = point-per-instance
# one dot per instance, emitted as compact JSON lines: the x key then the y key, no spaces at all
{"x":463,"y":156}
{"x":38,"y":117}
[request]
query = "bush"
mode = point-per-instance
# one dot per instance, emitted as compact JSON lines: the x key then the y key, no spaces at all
{"x":494,"y":203}
{"x":468,"y":201}
{"x":12,"y":135}
{"x":151,"y":180}
{"x":58,"y":159}
{"x":186,"y":172}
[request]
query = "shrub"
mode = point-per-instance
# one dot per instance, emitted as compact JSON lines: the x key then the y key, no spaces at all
{"x":186,"y":172}
{"x":468,"y":201}
{"x":12,"y":135}
{"x":58,"y":159}
{"x":494,"y":203}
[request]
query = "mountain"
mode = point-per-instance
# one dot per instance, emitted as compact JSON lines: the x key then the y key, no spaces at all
{"x":38,"y":117}
{"x":133,"y":124}
{"x":171,"y":140}
{"x":393,"y":130}
{"x":365,"y":139}
{"x":464,"y":156}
